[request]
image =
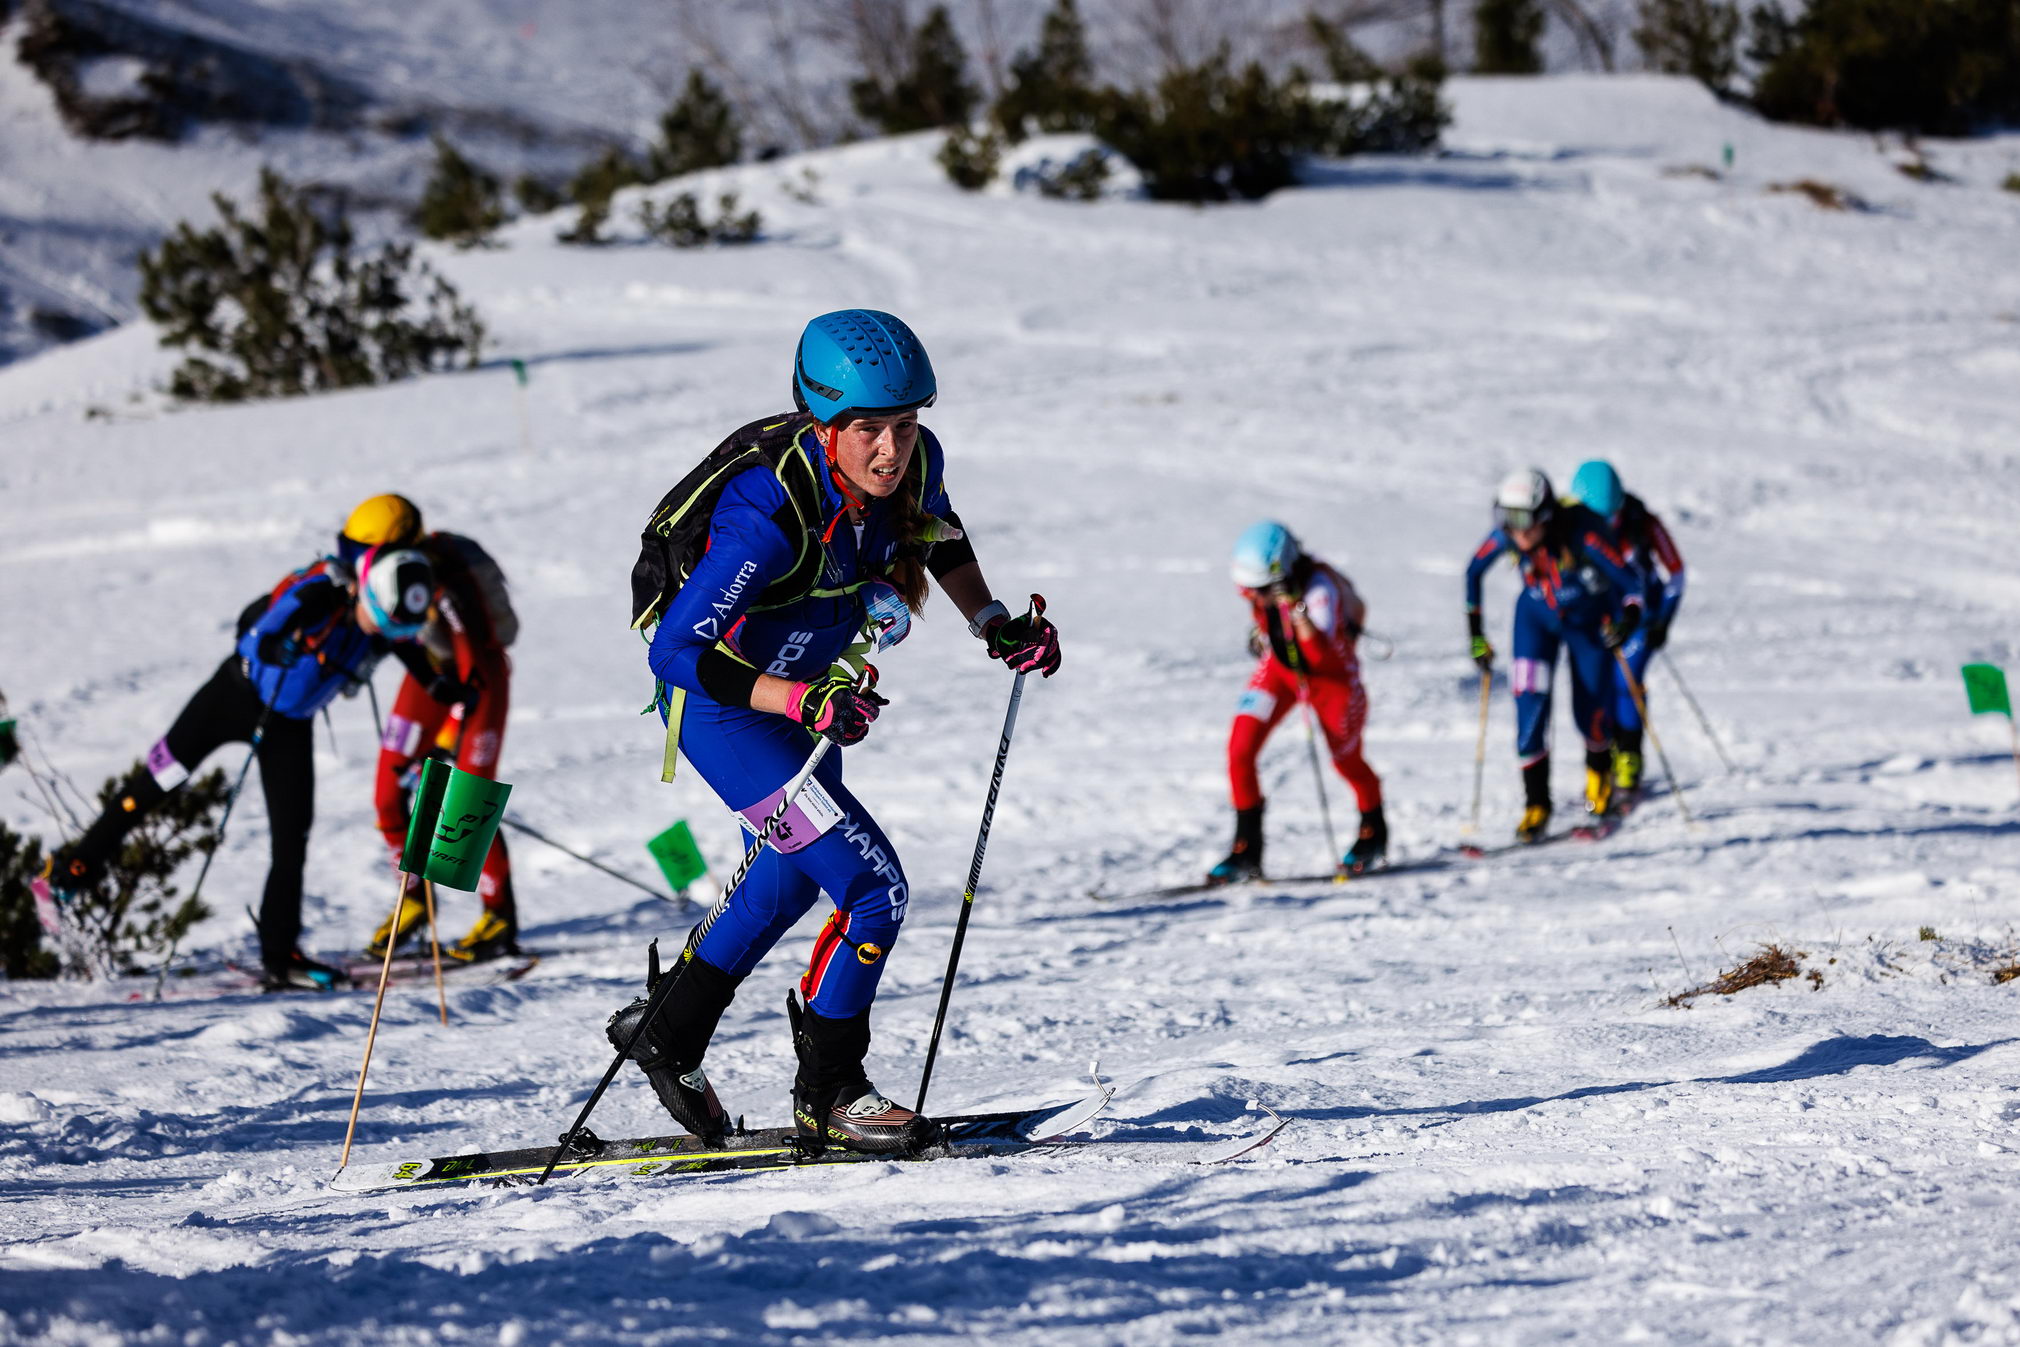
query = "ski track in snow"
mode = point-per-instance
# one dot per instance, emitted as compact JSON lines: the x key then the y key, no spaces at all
{"x":1500,"y":1133}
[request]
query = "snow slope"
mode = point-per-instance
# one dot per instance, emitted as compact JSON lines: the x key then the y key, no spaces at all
{"x":1500,"y":1132}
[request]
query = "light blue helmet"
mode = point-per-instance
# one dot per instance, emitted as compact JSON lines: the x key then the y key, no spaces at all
{"x":1597,"y":487}
{"x":860,"y":361}
{"x":1264,"y":554}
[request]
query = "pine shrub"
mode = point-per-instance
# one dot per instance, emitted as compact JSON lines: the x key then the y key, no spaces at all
{"x":1401,"y":113}
{"x":461,"y":203}
{"x":276,"y":304}
{"x":536,"y":196}
{"x":931,"y":90}
{"x":591,"y":190}
{"x":1698,"y":38}
{"x":1052,"y":86}
{"x":134,"y":914}
{"x":1939,"y":67}
{"x":679,"y":223}
{"x":1505,"y":34}
{"x":1208,"y":132}
{"x":971,"y":158}
{"x":699,"y":131}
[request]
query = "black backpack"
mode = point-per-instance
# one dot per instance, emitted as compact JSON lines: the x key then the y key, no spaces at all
{"x":677,"y":533}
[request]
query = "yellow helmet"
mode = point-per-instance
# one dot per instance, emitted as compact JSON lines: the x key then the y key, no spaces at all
{"x":384,"y":521}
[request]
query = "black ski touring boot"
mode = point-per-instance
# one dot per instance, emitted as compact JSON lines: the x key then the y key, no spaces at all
{"x":834,"y":1102}
{"x":671,"y":1048}
{"x":1369,"y":847}
{"x":1535,"y":822}
{"x":299,"y":973}
{"x":1244,"y":860}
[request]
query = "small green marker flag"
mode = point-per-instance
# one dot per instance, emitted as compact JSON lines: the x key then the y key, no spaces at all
{"x":1985,"y":685}
{"x":679,"y":858}
{"x":456,"y":815}
{"x":519,"y":372}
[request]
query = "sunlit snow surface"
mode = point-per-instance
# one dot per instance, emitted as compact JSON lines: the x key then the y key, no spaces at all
{"x":1500,"y":1134}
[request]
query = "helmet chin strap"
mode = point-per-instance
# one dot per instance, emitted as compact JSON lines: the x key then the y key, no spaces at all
{"x":841,"y":484}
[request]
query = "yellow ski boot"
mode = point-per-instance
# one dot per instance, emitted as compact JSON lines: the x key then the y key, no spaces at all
{"x":490,"y":938}
{"x":1535,"y":822}
{"x":1626,"y":770}
{"x":1598,"y":792}
{"x":412,"y":913}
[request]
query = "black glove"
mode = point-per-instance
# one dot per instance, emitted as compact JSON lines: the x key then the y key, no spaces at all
{"x":1028,"y":643}
{"x":450,"y":690}
{"x":276,"y":649}
{"x":1658,"y":636}
{"x":834,"y":706}
{"x":1616,"y":633}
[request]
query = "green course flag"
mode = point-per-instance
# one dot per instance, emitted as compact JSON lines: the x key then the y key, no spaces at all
{"x":679,"y":858}
{"x":519,"y":372}
{"x":1985,"y":685}
{"x":456,"y":816}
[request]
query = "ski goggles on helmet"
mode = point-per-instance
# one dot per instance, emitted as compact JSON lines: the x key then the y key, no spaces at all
{"x":1515,"y":518}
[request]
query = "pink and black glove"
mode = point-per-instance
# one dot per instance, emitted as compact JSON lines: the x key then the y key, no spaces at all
{"x":1027,"y":644}
{"x":837,"y":707}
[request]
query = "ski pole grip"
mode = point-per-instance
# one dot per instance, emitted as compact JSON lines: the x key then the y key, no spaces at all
{"x":1037,"y":608}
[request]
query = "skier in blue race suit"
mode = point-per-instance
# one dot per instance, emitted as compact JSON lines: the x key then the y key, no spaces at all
{"x":1577,"y":593}
{"x":830,"y":533}
{"x":316,"y":634}
{"x":1649,"y":550}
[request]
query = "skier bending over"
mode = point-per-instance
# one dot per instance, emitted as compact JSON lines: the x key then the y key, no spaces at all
{"x":452,"y":706}
{"x":832,"y":532}
{"x":1652,"y":554}
{"x":318,"y":633}
{"x":1307,"y":619}
{"x":1577,"y":592}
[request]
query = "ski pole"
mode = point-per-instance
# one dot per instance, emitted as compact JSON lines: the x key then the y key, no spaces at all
{"x":1480,"y":746}
{"x":1295,"y":659}
{"x":664,"y":987}
{"x":372,"y":1033}
{"x":1669,"y":663}
{"x":594,"y":864}
{"x":974,"y":878}
{"x":259,"y":732}
{"x":1641,"y":705}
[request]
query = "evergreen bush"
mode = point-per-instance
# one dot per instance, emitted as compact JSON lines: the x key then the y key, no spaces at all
{"x":1939,"y":67}
{"x":679,"y":222}
{"x":461,"y":203}
{"x":591,"y":190}
{"x":1699,"y":38}
{"x":971,"y":158}
{"x":699,"y":131}
{"x":134,"y":914}
{"x":536,"y":196}
{"x":1051,"y":87}
{"x":1387,"y":113}
{"x":277,"y":305}
{"x":931,"y":90}
{"x":1505,"y":34}
{"x":1208,"y":132}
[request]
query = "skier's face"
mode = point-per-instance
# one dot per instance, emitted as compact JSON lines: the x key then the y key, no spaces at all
{"x":1527,"y":539}
{"x":873,"y":452}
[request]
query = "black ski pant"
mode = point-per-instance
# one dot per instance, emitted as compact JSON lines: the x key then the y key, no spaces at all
{"x":227,"y":710}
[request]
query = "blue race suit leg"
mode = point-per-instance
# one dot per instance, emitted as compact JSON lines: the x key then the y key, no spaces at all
{"x":827,"y":843}
{"x":1537,"y":635}
{"x":1594,"y":679}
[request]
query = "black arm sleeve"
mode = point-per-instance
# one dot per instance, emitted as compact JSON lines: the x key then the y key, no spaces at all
{"x":415,"y":657}
{"x":950,"y":556}
{"x":725,"y":678}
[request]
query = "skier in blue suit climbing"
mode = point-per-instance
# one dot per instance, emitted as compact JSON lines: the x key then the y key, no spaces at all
{"x":1578,"y":594}
{"x":828,"y":532}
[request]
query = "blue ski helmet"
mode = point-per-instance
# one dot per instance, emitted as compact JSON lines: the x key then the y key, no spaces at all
{"x":1263,"y":555}
{"x":862,"y":362}
{"x":1597,"y":487}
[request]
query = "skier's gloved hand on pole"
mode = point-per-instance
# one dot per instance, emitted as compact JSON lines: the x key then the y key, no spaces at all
{"x":836,"y":707}
{"x":451,"y":691}
{"x":1257,"y":642}
{"x":1482,"y":652}
{"x":1658,"y":636}
{"x":278,"y":649}
{"x":1028,"y":643}
{"x":1619,"y":629}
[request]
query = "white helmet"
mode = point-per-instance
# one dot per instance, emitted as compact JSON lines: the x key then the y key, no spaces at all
{"x":1524,"y":498}
{"x":398,"y":587}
